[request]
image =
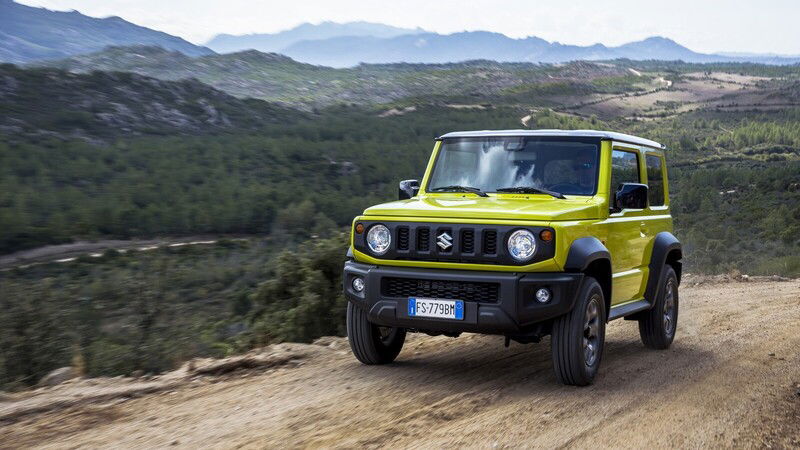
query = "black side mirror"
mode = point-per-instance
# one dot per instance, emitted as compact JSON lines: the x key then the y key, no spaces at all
{"x":408,"y":189}
{"x":630,"y":196}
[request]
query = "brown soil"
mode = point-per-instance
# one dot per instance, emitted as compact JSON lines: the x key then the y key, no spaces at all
{"x":730,"y":379}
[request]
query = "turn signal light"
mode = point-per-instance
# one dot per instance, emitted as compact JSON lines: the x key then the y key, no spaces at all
{"x":546,"y":235}
{"x":359,"y":228}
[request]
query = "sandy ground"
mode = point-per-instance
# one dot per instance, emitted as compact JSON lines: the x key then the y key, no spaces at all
{"x":731,"y":379}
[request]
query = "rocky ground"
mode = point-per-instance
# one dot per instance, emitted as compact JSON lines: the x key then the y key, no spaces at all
{"x":732,"y":378}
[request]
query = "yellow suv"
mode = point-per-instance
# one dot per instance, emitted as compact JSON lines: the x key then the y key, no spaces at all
{"x":520,"y":233}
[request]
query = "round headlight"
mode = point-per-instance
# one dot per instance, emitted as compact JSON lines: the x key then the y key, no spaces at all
{"x":379,"y":239}
{"x":521,"y":245}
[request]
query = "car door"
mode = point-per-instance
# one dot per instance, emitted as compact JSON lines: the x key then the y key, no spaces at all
{"x":657,"y":218}
{"x":627,"y":237}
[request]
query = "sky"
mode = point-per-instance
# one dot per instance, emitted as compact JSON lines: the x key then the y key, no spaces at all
{"x":747,"y":26}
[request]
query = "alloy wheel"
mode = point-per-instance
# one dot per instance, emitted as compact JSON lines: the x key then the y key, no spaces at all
{"x":591,"y":328}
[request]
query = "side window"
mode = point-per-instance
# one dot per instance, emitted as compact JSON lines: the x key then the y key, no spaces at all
{"x":655,"y":180}
{"x":624,"y":168}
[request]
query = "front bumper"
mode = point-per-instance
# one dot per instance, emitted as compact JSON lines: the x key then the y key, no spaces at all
{"x":511,"y":310}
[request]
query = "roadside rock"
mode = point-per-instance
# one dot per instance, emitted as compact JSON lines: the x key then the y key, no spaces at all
{"x":333,"y":342}
{"x":264,"y":358}
{"x":58,"y":376}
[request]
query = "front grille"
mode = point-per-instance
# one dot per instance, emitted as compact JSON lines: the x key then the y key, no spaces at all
{"x":467,"y":243}
{"x":454,"y":290}
{"x":402,"y":238}
{"x":468,"y":240}
{"x":490,"y":242}
{"x":423,"y":239}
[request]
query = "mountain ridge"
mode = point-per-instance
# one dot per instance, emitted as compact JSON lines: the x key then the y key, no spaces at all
{"x":32,"y":34}
{"x":343,"y":45}
{"x":47,"y":101}
{"x":274,"y":42}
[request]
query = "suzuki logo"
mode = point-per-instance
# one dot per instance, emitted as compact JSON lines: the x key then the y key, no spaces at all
{"x":444,"y":240}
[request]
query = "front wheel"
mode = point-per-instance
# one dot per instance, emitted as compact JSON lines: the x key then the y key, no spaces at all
{"x":578,"y":337}
{"x":657,"y":328}
{"x":370,"y":343}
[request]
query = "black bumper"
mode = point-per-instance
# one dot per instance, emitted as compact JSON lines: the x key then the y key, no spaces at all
{"x":511,"y":308}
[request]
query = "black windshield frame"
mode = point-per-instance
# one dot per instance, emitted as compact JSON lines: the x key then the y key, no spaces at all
{"x":579,"y":139}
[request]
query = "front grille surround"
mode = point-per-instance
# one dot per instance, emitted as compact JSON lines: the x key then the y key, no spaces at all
{"x":469,"y":291}
{"x":471,"y":243}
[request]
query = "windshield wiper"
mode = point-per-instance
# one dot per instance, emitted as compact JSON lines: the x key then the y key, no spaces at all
{"x":531,"y":190}
{"x":457,"y":188}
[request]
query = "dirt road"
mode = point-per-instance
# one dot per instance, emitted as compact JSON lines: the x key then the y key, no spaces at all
{"x":730,"y":379}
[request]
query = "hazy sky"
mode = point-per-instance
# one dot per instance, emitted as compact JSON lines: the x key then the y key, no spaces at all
{"x":764,"y":26}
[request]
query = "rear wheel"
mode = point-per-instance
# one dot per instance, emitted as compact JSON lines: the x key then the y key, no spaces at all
{"x":578,"y":337}
{"x":370,"y":343}
{"x":658,"y":326}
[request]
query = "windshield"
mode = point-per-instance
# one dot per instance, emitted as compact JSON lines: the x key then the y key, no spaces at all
{"x":561,"y":165}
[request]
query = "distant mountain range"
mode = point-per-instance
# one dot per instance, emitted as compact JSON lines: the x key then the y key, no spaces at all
{"x":349,"y":44}
{"x":276,"y":42}
{"x":31,"y":34}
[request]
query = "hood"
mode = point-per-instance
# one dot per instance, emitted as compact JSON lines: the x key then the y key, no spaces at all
{"x":499,"y":207}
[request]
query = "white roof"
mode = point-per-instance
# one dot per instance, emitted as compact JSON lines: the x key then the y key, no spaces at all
{"x":566,"y":133}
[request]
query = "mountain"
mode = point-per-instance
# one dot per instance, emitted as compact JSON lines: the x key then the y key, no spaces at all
{"x":100,"y":104}
{"x":31,"y":34}
{"x":346,"y":51}
{"x":278,"y":78}
{"x":276,"y":42}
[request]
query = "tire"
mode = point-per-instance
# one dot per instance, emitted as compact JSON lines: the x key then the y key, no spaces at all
{"x":578,"y":337}
{"x":370,"y":343}
{"x":657,"y":328}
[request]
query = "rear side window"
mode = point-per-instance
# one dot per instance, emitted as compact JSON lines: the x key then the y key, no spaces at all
{"x":655,"y":180}
{"x":624,"y":168}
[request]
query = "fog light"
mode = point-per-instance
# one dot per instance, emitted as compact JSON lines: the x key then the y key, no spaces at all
{"x":358,"y":284}
{"x":543,"y":295}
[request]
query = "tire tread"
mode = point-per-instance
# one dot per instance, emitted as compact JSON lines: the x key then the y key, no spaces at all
{"x":364,"y":343}
{"x":650,"y":327}
{"x":569,"y":367}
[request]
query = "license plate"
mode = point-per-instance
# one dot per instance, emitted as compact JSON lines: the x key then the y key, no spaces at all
{"x":439,"y":309}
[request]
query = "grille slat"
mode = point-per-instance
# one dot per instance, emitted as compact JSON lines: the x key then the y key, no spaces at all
{"x":468,"y":240}
{"x":423,"y":239}
{"x":490,"y":242}
{"x":454,"y":290}
{"x":402,"y":238}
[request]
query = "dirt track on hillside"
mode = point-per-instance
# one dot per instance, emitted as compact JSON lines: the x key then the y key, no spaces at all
{"x":732,"y":378}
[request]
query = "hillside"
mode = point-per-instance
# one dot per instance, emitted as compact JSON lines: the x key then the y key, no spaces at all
{"x":111,"y":104}
{"x":277,"y":78}
{"x":31,"y":34}
{"x":283,"y":180}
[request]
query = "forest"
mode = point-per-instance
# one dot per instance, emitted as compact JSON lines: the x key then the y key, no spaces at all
{"x":280,"y":196}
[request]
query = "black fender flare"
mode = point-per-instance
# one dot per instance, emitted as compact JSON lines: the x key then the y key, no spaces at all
{"x":664,"y":244}
{"x":582,"y":254}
